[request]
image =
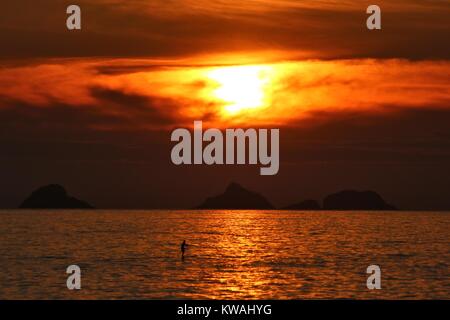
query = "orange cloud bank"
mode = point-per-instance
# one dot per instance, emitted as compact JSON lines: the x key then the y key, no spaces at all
{"x":276,"y":93}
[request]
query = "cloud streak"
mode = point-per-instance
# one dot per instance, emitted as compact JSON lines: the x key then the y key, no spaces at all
{"x":156,"y":94}
{"x":311,"y":29}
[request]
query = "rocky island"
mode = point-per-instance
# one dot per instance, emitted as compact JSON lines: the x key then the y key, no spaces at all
{"x":53,"y":196}
{"x":309,"y":205}
{"x":237,"y":197}
{"x":356,"y":200}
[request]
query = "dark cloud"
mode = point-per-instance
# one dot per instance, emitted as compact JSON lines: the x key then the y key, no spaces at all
{"x":411,"y":30}
{"x":116,"y":111}
{"x":147,"y":111}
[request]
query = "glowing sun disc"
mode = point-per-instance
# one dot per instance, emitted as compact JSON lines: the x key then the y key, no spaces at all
{"x":241,"y":87}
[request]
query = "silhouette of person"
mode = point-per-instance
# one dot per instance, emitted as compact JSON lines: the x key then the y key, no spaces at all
{"x":183,"y":248}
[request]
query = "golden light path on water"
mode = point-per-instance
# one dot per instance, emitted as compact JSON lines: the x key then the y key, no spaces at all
{"x":232,"y":254}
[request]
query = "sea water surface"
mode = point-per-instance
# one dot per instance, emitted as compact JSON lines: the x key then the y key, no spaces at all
{"x":231,"y":254}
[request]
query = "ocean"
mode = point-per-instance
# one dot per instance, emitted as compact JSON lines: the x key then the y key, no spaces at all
{"x":231,"y":254}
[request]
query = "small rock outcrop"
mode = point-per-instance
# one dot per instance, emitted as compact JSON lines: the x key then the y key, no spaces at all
{"x":356,"y":200}
{"x":53,"y":197}
{"x":236,"y":197}
{"x":304,"y":205}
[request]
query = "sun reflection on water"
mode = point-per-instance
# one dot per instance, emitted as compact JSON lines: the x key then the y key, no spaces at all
{"x":232,"y":254}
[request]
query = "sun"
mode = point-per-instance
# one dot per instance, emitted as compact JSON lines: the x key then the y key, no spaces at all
{"x":241,"y":87}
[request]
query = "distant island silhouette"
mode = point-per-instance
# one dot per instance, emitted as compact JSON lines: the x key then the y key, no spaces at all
{"x":346,"y":200}
{"x":356,"y":200}
{"x":53,"y":196}
{"x":304,"y":205}
{"x":236,"y":197}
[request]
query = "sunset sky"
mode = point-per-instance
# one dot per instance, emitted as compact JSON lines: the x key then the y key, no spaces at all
{"x":93,"y":109}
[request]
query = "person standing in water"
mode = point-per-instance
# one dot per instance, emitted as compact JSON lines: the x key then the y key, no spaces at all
{"x":183,"y":248}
